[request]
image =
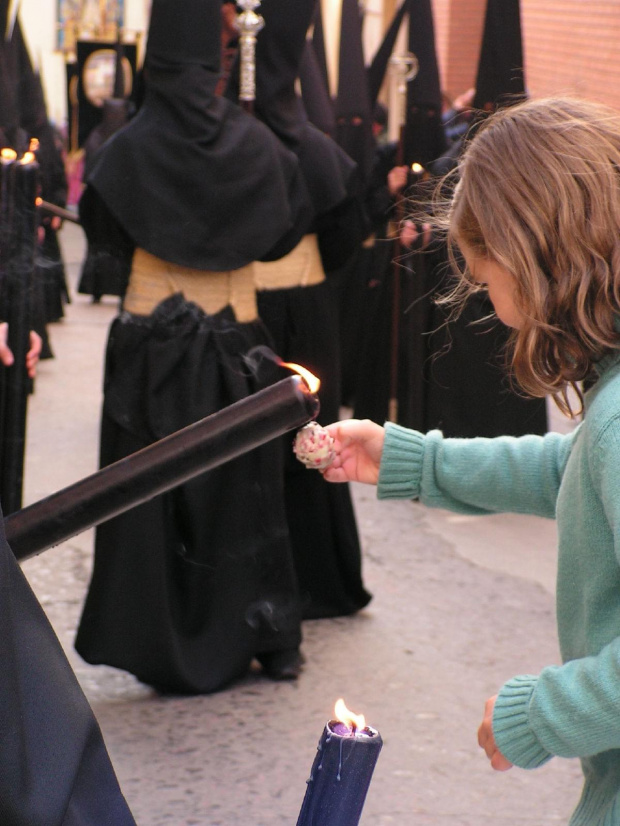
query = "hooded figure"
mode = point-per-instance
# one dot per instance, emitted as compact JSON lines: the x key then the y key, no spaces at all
{"x":297,"y":304}
{"x":187,"y":589}
{"x":424,"y":135}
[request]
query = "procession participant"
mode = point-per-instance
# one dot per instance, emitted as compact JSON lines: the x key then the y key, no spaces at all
{"x":188,"y":588}
{"x":298,"y":305}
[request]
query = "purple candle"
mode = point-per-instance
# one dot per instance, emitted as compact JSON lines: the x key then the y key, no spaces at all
{"x":341,"y":772}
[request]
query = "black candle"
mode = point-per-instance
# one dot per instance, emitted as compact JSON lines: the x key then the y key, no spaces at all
{"x":16,"y":309}
{"x":341,"y":772}
{"x":201,"y":446}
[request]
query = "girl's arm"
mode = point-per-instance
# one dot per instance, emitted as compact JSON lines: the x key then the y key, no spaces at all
{"x":474,"y":476}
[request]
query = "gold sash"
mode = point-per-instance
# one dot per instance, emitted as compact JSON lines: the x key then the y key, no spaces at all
{"x":302,"y":267}
{"x":152,"y":280}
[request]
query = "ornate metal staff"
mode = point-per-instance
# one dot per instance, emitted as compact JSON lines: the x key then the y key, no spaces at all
{"x":404,"y":68}
{"x":248,"y":24}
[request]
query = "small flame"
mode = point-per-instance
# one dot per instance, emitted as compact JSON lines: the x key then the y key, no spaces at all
{"x":417,"y":168}
{"x":27,"y":157}
{"x":311,"y":380}
{"x":351,"y":720}
{"x":8,"y":154}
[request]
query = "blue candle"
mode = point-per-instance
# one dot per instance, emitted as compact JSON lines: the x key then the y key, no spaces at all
{"x":341,"y":772}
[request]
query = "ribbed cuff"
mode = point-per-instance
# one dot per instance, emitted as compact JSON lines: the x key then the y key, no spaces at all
{"x":401,"y":463}
{"x":511,"y":727}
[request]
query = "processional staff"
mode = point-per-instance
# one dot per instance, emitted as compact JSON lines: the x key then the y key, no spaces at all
{"x":404,"y":68}
{"x":248,"y":24}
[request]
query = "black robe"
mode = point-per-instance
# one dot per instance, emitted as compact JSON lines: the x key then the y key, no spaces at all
{"x":54,"y":767}
{"x":189,"y":587}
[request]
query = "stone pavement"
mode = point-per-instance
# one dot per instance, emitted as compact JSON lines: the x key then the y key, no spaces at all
{"x":460,"y":604}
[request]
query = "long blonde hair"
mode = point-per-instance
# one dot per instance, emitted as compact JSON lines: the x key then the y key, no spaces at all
{"x":539,"y":193}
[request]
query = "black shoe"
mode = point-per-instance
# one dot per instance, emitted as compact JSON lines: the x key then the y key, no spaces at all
{"x":282,"y":665}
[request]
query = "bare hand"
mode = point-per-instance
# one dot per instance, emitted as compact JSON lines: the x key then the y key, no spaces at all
{"x":358,"y":445}
{"x":411,"y":234}
{"x":397,"y":179}
{"x":486,"y":740}
{"x":32,"y":356}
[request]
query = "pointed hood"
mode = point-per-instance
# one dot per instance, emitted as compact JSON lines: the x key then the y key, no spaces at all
{"x":327,"y":169}
{"x":353,"y":107}
{"x":378,"y":67}
{"x":192,"y":178}
{"x":314,"y":92}
{"x":500,"y":79}
{"x":424,"y":136}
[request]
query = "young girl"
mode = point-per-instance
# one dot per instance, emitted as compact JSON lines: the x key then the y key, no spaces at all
{"x":536,"y":216}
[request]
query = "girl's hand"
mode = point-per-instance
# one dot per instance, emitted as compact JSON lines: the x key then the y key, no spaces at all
{"x":487,"y":741}
{"x":358,"y":445}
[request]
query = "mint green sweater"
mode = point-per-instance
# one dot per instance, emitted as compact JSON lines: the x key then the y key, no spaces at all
{"x":572,"y":710}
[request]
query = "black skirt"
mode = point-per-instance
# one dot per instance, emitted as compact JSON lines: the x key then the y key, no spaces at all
{"x":303,"y":322}
{"x":190,"y":586}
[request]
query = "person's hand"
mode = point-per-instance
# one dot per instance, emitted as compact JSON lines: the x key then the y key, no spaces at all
{"x":32,"y":356}
{"x":358,"y":445}
{"x":486,"y":740}
{"x":397,"y":179}
{"x":412,"y":234}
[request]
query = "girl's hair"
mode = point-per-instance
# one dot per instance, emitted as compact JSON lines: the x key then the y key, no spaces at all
{"x":539,"y":193}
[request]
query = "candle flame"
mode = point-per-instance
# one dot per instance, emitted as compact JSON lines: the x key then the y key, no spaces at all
{"x":351,"y":720}
{"x":27,"y":157}
{"x":417,"y":168}
{"x":311,"y":380}
{"x":8,"y":154}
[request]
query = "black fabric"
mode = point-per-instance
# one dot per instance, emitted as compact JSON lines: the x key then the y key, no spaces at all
{"x":54,"y":767}
{"x":353,"y":106}
{"x":107,"y":264}
{"x":500,"y":77}
{"x":304,"y":324}
{"x":192,"y":178}
{"x":189,"y":587}
{"x":315,"y":95}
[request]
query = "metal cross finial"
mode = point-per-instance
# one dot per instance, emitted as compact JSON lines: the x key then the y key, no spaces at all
{"x":248,"y":24}
{"x":405,"y":67}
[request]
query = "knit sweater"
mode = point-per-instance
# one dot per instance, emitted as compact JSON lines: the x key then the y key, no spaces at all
{"x":572,"y":710}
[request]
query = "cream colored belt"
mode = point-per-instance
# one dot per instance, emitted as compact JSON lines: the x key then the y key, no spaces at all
{"x":302,"y":267}
{"x":152,"y":280}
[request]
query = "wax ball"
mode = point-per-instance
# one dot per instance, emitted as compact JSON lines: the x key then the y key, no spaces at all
{"x":314,"y":447}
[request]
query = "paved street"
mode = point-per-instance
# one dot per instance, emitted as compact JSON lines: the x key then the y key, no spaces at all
{"x":460,"y":604}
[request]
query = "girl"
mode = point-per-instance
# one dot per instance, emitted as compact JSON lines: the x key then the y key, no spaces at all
{"x":536,"y":215}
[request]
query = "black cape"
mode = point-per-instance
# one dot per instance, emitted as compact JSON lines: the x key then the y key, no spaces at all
{"x":54,"y":767}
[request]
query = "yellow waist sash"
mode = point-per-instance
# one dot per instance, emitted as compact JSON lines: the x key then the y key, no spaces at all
{"x":152,"y":280}
{"x":302,"y":267}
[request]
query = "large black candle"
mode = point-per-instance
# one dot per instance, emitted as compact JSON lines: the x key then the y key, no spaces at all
{"x":201,"y":446}
{"x":16,"y":309}
{"x":341,"y":772}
